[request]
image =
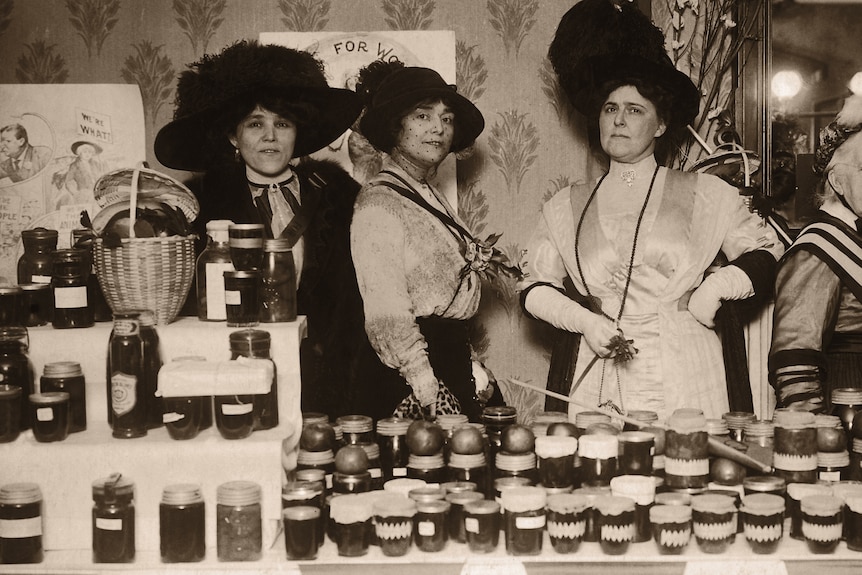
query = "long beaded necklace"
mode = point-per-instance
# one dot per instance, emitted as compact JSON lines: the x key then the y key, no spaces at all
{"x":594,"y":302}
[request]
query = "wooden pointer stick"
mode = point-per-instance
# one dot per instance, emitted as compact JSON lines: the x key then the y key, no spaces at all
{"x":716,"y":447}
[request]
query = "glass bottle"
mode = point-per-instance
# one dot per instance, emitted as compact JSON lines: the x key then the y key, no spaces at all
{"x":152,"y":360}
{"x":182,"y":524}
{"x":278,"y":279}
{"x":36,"y":263}
{"x":125,"y":375}
{"x":20,"y":523}
{"x":239,"y":534}
{"x":101,"y":309}
{"x":113,"y":520}
{"x":209,"y":272}
{"x":72,"y":307}
{"x":255,"y":343}
{"x":392,"y":438}
{"x":15,"y":368}
{"x":356,"y":429}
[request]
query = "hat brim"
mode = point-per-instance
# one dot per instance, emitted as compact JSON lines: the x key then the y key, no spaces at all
{"x":182,"y":143}
{"x":598,"y":70}
{"x":74,"y":147}
{"x":469,"y":120}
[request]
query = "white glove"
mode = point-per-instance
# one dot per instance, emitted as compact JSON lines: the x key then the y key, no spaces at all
{"x":729,"y":282}
{"x":426,"y":392}
{"x":546,"y":303}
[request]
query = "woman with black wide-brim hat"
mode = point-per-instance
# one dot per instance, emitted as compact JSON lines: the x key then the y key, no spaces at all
{"x":618,"y":265}
{"x":411,"y":250}
{"x":245,"y":117}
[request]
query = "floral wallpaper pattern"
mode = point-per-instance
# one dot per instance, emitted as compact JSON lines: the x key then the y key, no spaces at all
{"x":532,"y":146}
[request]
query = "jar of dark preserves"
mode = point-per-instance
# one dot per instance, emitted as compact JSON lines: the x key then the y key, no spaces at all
{"x":255,"y":343}
{"x":128,"y":400}
{"x":795,"y":446}
{"x":113,"y":520}
{"x":182,"y":524}
{"x":71,"y":271}
{"x":15,"y":369}
{"x":20,"y":523}
{"x":67,"y":376}
{"x":392,"y":439}
{"x":36,"y":263}
{"x":686,"y":451}
{"x":239,"y":534}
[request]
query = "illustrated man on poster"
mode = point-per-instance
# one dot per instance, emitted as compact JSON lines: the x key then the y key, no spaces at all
{"x":19,"y":159}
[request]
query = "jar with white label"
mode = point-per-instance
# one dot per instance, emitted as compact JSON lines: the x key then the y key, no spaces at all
{"x":209,"y":272}
{"x":113,"y":520}
{"x":36,"y":263}
{"x":524,"y":513}
{"x":71,"y":271}
{"x":20,"y":523}
{"x":392,"y":439}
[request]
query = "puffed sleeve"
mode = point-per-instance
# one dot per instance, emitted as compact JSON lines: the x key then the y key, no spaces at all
{"x":377,"y":239}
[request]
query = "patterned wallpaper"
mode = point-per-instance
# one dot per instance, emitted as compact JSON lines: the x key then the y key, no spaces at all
{"x":532,"y":146}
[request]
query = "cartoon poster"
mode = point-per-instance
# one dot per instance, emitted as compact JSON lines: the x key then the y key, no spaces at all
{"x":345,"y":53}
{"x":56,"y":141}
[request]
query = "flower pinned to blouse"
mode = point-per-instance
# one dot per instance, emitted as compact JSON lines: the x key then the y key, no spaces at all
{"x":486,"y":260}
{"x":622,"y":349}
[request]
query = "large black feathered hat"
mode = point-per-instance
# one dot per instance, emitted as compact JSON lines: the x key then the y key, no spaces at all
{"x":599,"y":41}
{"x":406,"y":87}
{"x":242,"y":69}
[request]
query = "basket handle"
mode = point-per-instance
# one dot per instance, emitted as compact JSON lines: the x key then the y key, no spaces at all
{"x":133,"y":200}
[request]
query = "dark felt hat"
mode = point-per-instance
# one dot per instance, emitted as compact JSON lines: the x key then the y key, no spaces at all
{"x":600,"y":41}
{"x":210,"y":85}
{"x":407,"y":87}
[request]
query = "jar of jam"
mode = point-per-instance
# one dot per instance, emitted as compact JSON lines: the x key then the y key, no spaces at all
{"x":567,"y":521}
{"x":113,"y":520}
{"x":795,"y":493}
{"x":764,"y":484}
{"x":469,"y":467}
{"x":351,"y":482}
{"x":482,"y":520}
{"x":429,"y":525}
{"x":584,"y":419}
{"x":71,"y":271}
{"x":255,"y":343}
{"x":646,"y":417}
{"x":496,"y":419}
{"x":517,"y":465}
{"x":592,"y":529}
{"x":356,"y":429}
{"x":671,"y":525}
{"x":50,"y":415}
{"x":760,"y":434}
{"x":641,"y":490}
{"x":455,"y":521}
{"x":20,"y":523}
{"x":67,"y":376}
{"x":239,"y":523}
{"x":182,"y":524}
{"x":616,"y":522}
{"x":428,"y":468}
{"x":37,"y":303}
{"x":715,"y":522}
{"x":543,"y":419}
{"x":822,"y":522}
{"x":372,"y":450}
{"x":322,"y":460}
{"x":15,"y":369}
{"x":833,"y":467}
{"x":846,"y":403}
{"x":686,"y":451}
{"x":36,"y":263}
{"x":524,"y":518}
{"x":10,"y":412}
{"x":795,"y":446}
{"x":763,"y":521}
{"x":11,"y":305}
{"x":351,"y":517}
{"x":598,"y":454}
{"x":736,"y":422}
{"x":392,"y":439}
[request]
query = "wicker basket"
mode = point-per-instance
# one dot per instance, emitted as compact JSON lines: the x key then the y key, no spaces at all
{"x":147,"y":273}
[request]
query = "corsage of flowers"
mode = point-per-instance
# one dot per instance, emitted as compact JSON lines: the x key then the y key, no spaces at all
{"x":622,"y":349}
{"x":486,"y":260}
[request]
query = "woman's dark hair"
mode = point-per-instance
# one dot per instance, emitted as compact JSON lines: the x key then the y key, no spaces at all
{"x":304,"y":115}
{"x":663,"y":100}
{"x":393,"y":123}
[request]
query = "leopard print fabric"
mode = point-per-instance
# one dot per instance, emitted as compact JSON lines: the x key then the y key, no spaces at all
{"x":410,"y":408}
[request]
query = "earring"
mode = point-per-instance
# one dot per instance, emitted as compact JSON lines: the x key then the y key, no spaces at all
{"x":236,"y":155}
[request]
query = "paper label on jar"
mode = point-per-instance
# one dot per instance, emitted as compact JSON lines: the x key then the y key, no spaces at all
{"x":106,"y":524}
{"x":232,"y":297}
{"x":172,"y":417}
{"x":399,"y":472}
{"x":123,"y":393}
{"x":236,"y":409}
{"x":328,"y":479}
{"x":20,"y":528}
{"x":40,"y":279}
{"x":427,"y":529}
{"x":44,"y":414}
{"x":376,"y":472}
{"x":530,"y":522}
{"x":70,"y":297}
{"x":215,"y":289}
{"x":471,"y":524}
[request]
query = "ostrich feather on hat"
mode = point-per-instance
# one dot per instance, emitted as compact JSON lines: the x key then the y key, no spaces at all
{"x":216,"y":81}
{"x":846,"y":123}
{"x":602,"y":40}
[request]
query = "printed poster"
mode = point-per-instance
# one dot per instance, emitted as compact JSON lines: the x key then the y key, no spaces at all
{"x":56,"y":141}
{"x":345,"y":53}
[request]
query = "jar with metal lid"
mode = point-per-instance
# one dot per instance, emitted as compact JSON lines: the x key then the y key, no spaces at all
{"x":427,"y":493}
{"x":455,"y":520}
{"x":524,"y":518}
{"x":209,"y":272}
{"x":11,"y":305}
{"x":584,"y":419}
{"x":15,"y":368}
{"x":392,"y":439}
{"x":469,"y":467}
{"x":372,"y":450}
{"x":764,"y":484}
{"x":795,"y":446}
{"x":356,"y":429}
{"x":306,"y":492}
{"x":322,"y":460}
{"x":255,"y":343}
{"x":69,"y":377}
{"x":50,"y":415}
{"x":736,"y":422}
{"x":278,"y":282}
{"x":71,"y":270}
{"x":20,"y":523}
{"x":239,"y":535}
{"x":598,"y":455}
{"x":496,"y":419}
{"x":833,"y":467}
{"x":448,"y":422}
{"x":543,"y":420}
{"x":636,"y":452}
{"x":429,"y":525}
{"x":113,"y":520}
{"x":82,"y":239}
{"x":36,"y":263}
{"x":351,"y":482}
{"x":686,"y":451}
{"x":846,"y":403}
{"x":429,"y":468}
{"x":646,"y":417}
{"x":517,"y":465}
{"x":37,"y":303}
{"x":760,"y":433}
{"x":182,"y":524}
{"x":10,"y":412}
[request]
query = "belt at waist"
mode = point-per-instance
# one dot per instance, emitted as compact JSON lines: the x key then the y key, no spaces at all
{"x":845,"y":342}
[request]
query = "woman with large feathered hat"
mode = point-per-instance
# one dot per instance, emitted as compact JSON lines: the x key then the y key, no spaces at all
{"x":247,"y":117}
{"x":618,"y":265}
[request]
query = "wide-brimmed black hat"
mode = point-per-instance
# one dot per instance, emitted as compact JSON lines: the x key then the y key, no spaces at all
{"x":407,"y":87}
{"x":601,"y":41}
{"x":210,"y":85}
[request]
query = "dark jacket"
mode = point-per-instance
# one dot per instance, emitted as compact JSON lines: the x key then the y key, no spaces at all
{"x":336,"y":356}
